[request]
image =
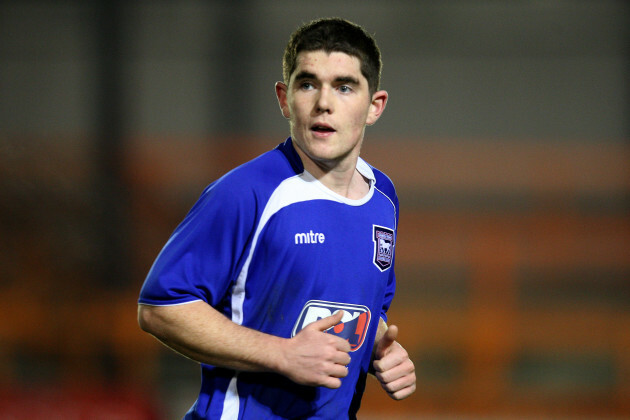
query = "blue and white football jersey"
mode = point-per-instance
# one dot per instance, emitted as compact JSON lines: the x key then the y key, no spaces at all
{"x":274,"y":250}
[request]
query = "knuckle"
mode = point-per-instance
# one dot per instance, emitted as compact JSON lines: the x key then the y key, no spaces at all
{"x":329,"y":353}
{"x":403,"y":350}
{"x":390,"y":388}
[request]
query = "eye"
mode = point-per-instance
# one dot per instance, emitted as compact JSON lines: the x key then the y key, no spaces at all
{"x":306,"y":86}
{"x":345,"y":89}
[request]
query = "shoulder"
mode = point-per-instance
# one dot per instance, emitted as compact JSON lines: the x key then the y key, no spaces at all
{"x":236,"y":200}
{"x":260,"y":176}
{"x":381,"y":181}
{"x":384,"y":184}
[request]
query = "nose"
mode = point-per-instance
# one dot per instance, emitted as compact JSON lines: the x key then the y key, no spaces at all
{"x":324,"y":101}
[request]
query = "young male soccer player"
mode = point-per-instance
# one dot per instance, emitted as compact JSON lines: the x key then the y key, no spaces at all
{"x":279,"y":279}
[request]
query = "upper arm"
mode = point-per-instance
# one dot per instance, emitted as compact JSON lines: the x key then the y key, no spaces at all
{"x":167,"y":320}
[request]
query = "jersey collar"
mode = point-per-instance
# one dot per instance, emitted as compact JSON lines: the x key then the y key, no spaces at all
{"x":296,"y":163}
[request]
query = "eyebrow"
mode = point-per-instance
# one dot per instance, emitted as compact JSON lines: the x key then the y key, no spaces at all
{"x":347,"y":79}
{"x":304,"y":75}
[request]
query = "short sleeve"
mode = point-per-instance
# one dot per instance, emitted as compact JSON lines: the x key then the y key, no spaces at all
{"x":202,"y":258}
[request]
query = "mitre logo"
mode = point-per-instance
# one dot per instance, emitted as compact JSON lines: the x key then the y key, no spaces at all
{"x":383,"y":247}
{"x":353,"y":326}
{"x":309,"y":238}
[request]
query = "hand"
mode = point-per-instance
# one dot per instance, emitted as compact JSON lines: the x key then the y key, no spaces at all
{"x":392,"y":366}
{"x":315,"y":358}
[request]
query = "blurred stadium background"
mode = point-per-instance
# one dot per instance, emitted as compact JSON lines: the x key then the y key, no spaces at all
{"x":507,"y":135}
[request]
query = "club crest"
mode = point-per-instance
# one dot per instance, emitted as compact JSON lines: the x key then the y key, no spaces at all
{"x":383,"y":247}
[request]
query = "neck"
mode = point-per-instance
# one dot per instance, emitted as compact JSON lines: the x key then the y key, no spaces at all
{"x":342,"y":177}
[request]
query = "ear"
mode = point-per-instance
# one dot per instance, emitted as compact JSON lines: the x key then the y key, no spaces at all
{"x":379,"y":101}
{"x":281,"y":94}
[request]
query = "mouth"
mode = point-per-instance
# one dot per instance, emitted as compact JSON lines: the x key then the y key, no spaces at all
{"x":322,"y":128}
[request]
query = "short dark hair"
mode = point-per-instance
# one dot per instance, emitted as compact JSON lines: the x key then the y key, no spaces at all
{"x":335,"y":35}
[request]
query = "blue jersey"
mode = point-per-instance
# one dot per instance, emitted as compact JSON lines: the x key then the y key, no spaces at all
{"x":273,"y":249}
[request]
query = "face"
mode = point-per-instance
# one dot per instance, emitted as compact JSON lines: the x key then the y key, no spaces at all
{"x":328,"y":105}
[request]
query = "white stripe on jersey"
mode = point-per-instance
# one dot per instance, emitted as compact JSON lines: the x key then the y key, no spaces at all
{"x":231,"y":403}
{"x":298,"y":188}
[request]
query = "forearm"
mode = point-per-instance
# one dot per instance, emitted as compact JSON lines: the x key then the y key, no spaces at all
{"x":380,"y":332}
{"x":201,"y":333}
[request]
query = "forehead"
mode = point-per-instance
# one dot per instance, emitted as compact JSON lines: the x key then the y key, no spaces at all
{"x":324,"y":64}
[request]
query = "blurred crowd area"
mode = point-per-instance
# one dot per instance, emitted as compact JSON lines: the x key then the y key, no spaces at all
{"x":507,"y":136}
